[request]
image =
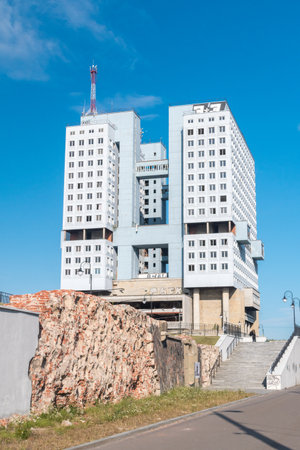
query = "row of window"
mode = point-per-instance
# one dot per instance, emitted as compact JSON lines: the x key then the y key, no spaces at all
{"x":97,"y":271}
{"x":88,"y":141}
{"x":211,"y":130}
{"x":210,"y":119}
{"x":202,"y":267}
{"x":78,"y":260}
{"x":211,"y":187}
{"x":201,"y":153}
{"x":203,"y":242}
{"x":211,"y":199}
{"x":201,"y":176}
{"x":203,"y":211}
{"x":202,"y":255}
{"x":202,"y":164}
{"x":89,"y":196}
{"x":88,"y":207}
{"x":211,"y":141}
{"x":100,"y":130}
{"x":86,"y":248}
{"x":89,"y":185}
{"x":97,"y":218}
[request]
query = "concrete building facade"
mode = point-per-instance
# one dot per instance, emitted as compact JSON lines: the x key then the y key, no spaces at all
{"x":186,"y":221}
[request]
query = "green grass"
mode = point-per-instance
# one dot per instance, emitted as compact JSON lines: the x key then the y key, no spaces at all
{"x":100,"y":420}
{"x":208,"y":340}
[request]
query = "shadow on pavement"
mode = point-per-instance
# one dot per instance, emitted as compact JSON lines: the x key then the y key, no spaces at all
{"x":253,"y":433}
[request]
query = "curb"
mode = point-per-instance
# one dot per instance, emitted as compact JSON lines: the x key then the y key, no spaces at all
{"x":153,"y":426}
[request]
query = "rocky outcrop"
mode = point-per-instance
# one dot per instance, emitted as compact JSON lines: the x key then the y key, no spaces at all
{"x":89,"y":349}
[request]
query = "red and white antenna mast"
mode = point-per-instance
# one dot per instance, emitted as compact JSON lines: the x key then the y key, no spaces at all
{"x":93,"y":70}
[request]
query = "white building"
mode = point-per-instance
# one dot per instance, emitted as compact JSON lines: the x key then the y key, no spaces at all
{"x":119,"y":228}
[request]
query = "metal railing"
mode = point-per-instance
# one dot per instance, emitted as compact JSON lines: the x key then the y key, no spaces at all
{"x":214,"y":368}
{"x":4,"y":297}
{"x":232,"y":329}
{"x":200,"y":329}
{"x":296,"y":332}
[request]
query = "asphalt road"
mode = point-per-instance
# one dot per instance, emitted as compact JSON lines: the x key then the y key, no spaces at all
{"x":269,"y":421}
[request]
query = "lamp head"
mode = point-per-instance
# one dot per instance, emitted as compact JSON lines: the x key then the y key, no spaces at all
{"x":80,"y":271}
{"x":284,"y":299}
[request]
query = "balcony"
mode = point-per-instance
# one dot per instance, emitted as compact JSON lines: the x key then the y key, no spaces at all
{"x":242,"y":232}
{"x":257,"y":250}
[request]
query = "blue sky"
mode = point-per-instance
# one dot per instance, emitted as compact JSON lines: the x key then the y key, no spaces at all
{"x":150,"y":55}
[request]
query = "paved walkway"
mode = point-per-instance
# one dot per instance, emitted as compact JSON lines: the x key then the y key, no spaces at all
{"x":268,"y":421}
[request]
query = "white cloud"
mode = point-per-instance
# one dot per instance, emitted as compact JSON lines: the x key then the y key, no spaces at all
{"x":131,"y":101}
{"x":23,"y":52}
{"x":149,"y":116}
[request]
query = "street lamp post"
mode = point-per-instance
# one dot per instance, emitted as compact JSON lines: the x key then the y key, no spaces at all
{"x":81,"y":272}
{"x":290,"y":295}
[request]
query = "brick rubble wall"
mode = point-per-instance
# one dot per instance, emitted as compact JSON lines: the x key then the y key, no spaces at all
{"x":209,"y":355}
{"x":89,"y":349}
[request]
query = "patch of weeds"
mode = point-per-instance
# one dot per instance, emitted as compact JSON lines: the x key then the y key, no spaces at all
{"x":23,"y":430}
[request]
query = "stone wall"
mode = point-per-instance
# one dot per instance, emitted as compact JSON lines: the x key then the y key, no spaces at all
{"x":209,"y":355}
{"x":89,"y":349}
{"x":169,"y":360}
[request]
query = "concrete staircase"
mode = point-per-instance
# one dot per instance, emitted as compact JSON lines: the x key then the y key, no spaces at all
{"x":247,"y":367}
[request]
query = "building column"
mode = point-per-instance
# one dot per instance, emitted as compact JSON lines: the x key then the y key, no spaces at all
{"x":225,"y":305}
{"x":196,"y":308}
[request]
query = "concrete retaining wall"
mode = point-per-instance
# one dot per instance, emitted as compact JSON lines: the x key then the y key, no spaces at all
{"x":287,"y":372}
{"x":19,"y":340}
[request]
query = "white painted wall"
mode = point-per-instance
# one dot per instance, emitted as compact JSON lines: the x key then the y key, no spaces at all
{"x":19,"y":340}
{"x":287,"y":372}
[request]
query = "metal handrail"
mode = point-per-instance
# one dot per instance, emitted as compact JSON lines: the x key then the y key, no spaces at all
{"x":296,"y":332}
{"x":213,"y":370}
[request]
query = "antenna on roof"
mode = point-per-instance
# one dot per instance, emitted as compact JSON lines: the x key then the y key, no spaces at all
{"x":93,"y":71}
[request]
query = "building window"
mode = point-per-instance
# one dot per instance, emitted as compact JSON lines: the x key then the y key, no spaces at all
{"x":212,"y":210}
{"x":97,"y":271}
{"x":89,"y":196}
{"x":190,"y":132}
{"x":213,"y":242}
{"x":223,"y":186}
{"x":212,"y":175}
{"x":190,"y":199}
{"x":222,"y":129}
{"x":201,"y":154}
{"x":191,"y":268}
{"x":211,"y":119}
{"x":100,"y":140}
{"x":80,"y":186}
{"x":224,"y":254}
{"x":70,"y":197}
{"x":81,"y":153}
{"x":68,"y":260}
{"x":211,"y":153}
{"x":190,"y":143}
{"x":213,"y":254}
{"x":190,"y":188}
{"x":211,"y":130}
{"x":213,"y":267}
{"x":224,"y":241}
{"x":202,"y":243}
{"x":190,"y":166}
{"x":71,"y":165}
{"x":201,"y":142}
{"x":202,"y":255}
{"x":222,"y":163}
{"x":72,"y":143}
{"x":88,"y":218}
{"x":202,"y":267}
{"x":98,"y":218}
{"x":212,"y":164}
{"x":80,"y":163}
{"x":201,"y":176}
{"x":79,"y":219}
{"x":191,"y":243}
{"x":89,"y":207}
{"x":81,"y":142}
{"x":87,"y":248}
{"x":77,"y":260}
{"x":223,"y":198}
{"x":91,"y":141}
{"x":190,"y":178}
{"x":97,"y":259}
{"x":190,"y":154}
{"x":71,"y":154}
{"x":212,"y":198}
{"x":90,"y":152}
{"x":191,"y":212}
{"x":201,"y":165}
{"x":80,"y":174}
{"x":201,"y":211}
{"x":67,"y":272}
{"x":212,"y":187}
{"x":78,"y":248}
{"x":200,"y":130}
{"x":69,"y":219}
{"x":98,"y":248}
{"x":224,"y":266}
{"x":222,"y":174}
{"x":222,"y":151}
{"x":191,"y":255}
{"x":223,"y":210}
{"x":211,"y":141}
{"x":201,"y":188}
{"x":222,"y":117}
{"x":222,"y":140}
{"x":201,"y":199}
{"x":68,"y":249}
